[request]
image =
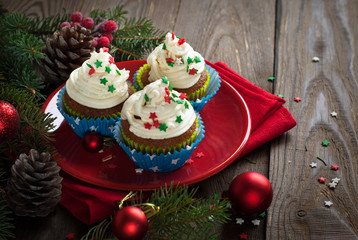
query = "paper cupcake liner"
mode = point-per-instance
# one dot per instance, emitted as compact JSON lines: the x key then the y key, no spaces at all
{"x":162,"y":162}
{"x":202,"y":95}
{"x":80,"y":126}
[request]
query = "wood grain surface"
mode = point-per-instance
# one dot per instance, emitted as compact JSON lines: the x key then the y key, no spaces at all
{"x":259,"y":39}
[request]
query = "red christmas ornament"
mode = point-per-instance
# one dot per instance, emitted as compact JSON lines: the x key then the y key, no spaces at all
{"x":93,"y":142}
{"x":9,"y":121}
{"x":129,"y":223}
{"x":250,"y":193}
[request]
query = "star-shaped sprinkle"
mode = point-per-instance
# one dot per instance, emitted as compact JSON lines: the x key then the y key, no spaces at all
{"x":325,"y":143}
{"x":77,"y":121}
{"x":108,"y":69}
{"x":170,"y":61}
{"x":105,"y":49}
{"x":336,"y":180}
{"x":180,"y":101}
{"x":321,"y":180}
{"x":178,"y":119}
{"x":154,"y":169}
{"x":189,"y":60}
{"x":170,"y":87}
{"x":333,"y":114}
{"x":332,"y":185}
{"x":256,"y":222}
{"x":239,"y":221}
{"x":243,"y":236}
{"x":297,"y":99}
{"x":147,"y":126}
{"x":315,"y":59}
{"x":93,"y":128}
{"x":164,"y":46}
{"x":103,"y":81}
{"x":165,"y":80}
{"x":313,"y":165}
{"x":156,"y":123}
{"x":199,"y":155}
{"x":111,"y":60}
{"x":178,"y":61}
{"x":334,"y":167}
{"x":98,"y":63}
{"x":281,"y":96}
{"x":183,"y":96}
{"x":197,"y":59}
{"x":70,"y":236}
{"x":167,"y":99}
{"x":167,"y":91}
{"x":193,"y":71}
{"x":271,"y":79}
{"x":111,"y":88}
{"x":146,"y":98}
{"x":163,"y":127}
{"x":138,"y":170}
{"x":181,"y":41}
{"x":153,"y":115}
{"x":186,"y":105}
{"x":111,"y":128}
{"x":118,"y":72}
{"x":262,"y":215}
{"x":189,"y":161}
{"x":328,"y":203}
{"x":91,"y":71}
{"x":175,"y":161}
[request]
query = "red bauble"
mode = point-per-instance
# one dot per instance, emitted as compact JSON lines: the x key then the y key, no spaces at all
{"x":9,"y":121}
{"x":250,"y":193}
{"x":130,"y":223}
{"x":93,"y":142}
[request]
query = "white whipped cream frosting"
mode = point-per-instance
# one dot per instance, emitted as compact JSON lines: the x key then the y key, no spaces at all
{"x":178,"y":74}
{"x":102,"y":87}
{"x":141,"y":105}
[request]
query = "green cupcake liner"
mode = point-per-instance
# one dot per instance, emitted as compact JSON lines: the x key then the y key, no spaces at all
{"x":139,"y":75}
{"x":158,"y":150}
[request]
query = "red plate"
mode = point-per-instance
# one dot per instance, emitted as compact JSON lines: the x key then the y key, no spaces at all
{"x":227,"y":129}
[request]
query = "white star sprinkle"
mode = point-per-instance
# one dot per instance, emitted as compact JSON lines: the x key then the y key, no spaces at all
{"x":178,"y":61}
{"x":239,"y":221}
{"x":175,"y":161}
{"x":332,"y":185}
{"x":336,"y":180}
{"x":328,"y":203}
{"x":333,"y":114}
{"x":138,"y":170}
{"x":151,"y":157}
{"x":111,"y":128}
{"x":154,"y":169}
{"x":315,"y":59}
{"x":77,"y":121}
{"x":313,"y":165}
{"x":256,"y":222}
{"x":93,"y":128}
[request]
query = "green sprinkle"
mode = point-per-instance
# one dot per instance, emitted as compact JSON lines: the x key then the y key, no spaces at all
{"x":174,"y":95}
{"x":262,"y":215}
{"x":325,"y":143}
{"x":163,"y":127}
{"x":98,"y":63}
{"x":111,"y":88}
{"x":186,"y":105}
{"x":146,"y":98}
{"x":271,"y":78}
{"x":197,"y":59}
{"x":165,"y":80}
{"x":187,"y":68}
{"x":89,"y":65}
{"x":190,"y":60}
{"x":164,"y":47}
{"x":179,"y":120}
{"x":179,"y":101}
{"x":170,"y":64}
{"x":119,"y":73}
{"x":103,"y":81}
{"x":108,"y":69}
{"x":170,"y":87}
{"x":281,"y":96}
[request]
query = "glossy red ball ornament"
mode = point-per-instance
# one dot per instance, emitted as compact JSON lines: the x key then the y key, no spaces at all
{"x":250,"y":193}
{"x":129,"y":223}
{"x":9,"y":121}
{"x":93,"y":142}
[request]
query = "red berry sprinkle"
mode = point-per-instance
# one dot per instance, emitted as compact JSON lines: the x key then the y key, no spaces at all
{"x":103,"y":42}
{"x":109,"y":26}
{"x":87,"y":22}
{"x":76,"y":17}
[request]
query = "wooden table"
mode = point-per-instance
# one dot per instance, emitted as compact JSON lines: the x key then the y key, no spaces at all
{"x":259,"y":39}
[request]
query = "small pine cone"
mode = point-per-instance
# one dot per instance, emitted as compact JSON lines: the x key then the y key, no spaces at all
{"x":64,"y":52}
{"x":34,"y":188}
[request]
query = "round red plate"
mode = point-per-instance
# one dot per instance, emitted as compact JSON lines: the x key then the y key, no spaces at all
{"x":227,"y":129}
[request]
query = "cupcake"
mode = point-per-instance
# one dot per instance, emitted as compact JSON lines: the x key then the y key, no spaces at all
{"x":159,"y":128}
{"x":184,"y":67}
{"x":94,"y":94}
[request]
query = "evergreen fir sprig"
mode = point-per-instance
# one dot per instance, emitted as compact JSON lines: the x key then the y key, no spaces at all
{"x":115,"y":14}
{"x":6,"y":221}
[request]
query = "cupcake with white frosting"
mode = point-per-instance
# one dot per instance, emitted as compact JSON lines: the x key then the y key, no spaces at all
{"x":94,"y":94}
{"x":184,"y":67}
{"x":159,"y":128}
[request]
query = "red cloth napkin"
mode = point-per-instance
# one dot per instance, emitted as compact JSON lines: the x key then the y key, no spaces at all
{"x":270,"y":119}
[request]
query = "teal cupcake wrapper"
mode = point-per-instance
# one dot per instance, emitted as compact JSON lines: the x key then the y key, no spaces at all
{"x":163,"y":162}
{"x":80,"y":126}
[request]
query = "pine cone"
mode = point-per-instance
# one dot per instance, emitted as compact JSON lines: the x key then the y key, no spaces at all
{"x":34,"y":188}
{"x":66,"y":51}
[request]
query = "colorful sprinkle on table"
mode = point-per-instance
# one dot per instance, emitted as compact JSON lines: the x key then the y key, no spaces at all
{"x":239,"y":221}
{"x":256,"y":222}
{"x":315,"y":59}
{"x":336,"y":180}
{"x":325,"y":143}
{"x":199,"y":155}
{"x":332,"y":185}
{"x":334,"y":167}
{"x":313,"y":165}
{"x":321,"y":180}
{"x":328,"y":203}
{"x":297,"y":99}
{"x":189,"y":161}
{"x":271,"y":78}
{"x":138,"y":170}
{"x":281,"y":96}
{"x":333,"y":114}
{"x":262,"y":215}
{"x":243,"y":236}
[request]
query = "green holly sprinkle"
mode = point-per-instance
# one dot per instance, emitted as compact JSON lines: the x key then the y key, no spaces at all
{"x":146,"y":98}
{"x":190,"y":60}
{"x":186,"y":105}
{"x":103,"y":81}
{"x":164,"y":47}
{"x":108,"y":69}
{"x":180,"y":101}
{"x":179,"y":120}
{"x":89,"y":65}
{"x":163,"y":127}
{"x":165,"y":80}
{"x":170,"y":87}
{"x":174,"y":95}
{"x":187,"y":68}
{"x":281,"y":96}
{"x":111,"y":88}
{"x":119,"y":73}
{"x":271,"y":78}
{"x":170,"y":64}
{"x":98,"y":63}
{"x":197,"y":59}
{"x":325,"y":143}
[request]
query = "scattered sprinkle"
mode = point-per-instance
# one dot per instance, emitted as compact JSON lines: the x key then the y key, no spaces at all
{"x":138,"y":170}
{"x":105,"y":49}
{"x":186,"y":105}
{"x":297,"y":99}
{"x":163,"y":127}
{"x":91,"y":71}
{"x":165,"y":80}
{"x":179,"y":119}
{"x":173,"y":36}
{"x":108,"y":69}
{"x":262,"y":215}
{"x":325,"y":143}
{"x":199,"y":155}
{"x":336,"y":180}
{"x":146,"y":98}
{"x":118,"y":72}
{"x":103,"y":81}
{"x":111,"y":88}
{"x":148,"y":125}
{"x":164,"y":46}
{"x":181,"y":41}
{"x":98,"y":63}
{"x":271,"y":78}
{"x":239,"y":221}
{"x":322,"y":161}
{"x":189,"y":60}
{"x":334,"y":167}
{"x":111,"y":60}
{"x":243,"y":236}
{"x":89,"y":65}
{"x":315,"y":59}
{"x":167,"y":99}
{"x":193,"y":71}
{"x":153,"y":115}
{"x":156,"y":123}
{"x":183,"y":96}
{"x":197,"y":59}
{"x":281,"y":96}
{"x":313,"y":165}
{"x":332,"y":185}
{"x":328,"y":203}
{"x":333,"y":114}
{"x":256,"y":222}
{"x":71,"y":236}
{"x":321,"y":180}
{"x":189,"y":161}
{"x":170,"y":87}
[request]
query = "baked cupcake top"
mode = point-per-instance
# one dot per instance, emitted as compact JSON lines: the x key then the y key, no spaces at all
{"x":98,"y":83}
{"x":176,"y":60}
{"x":158,"y":111}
